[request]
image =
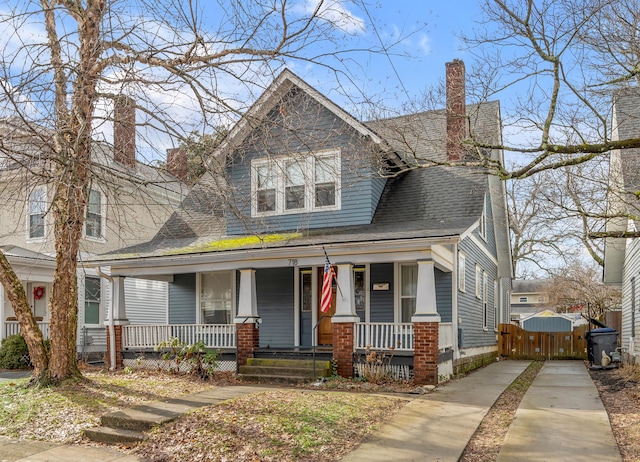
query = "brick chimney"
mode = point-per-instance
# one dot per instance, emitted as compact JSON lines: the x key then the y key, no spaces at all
{"x":456,"y":109}
{"x":177,"y":163}
{"x":124,"y":131}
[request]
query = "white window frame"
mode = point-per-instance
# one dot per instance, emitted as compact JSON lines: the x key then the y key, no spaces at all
{"x":462,"y":270}
{"x":279,"y":168}
{"x":478,"y":281}
{"x":398,"y":293}
{"x":103,"y":218}
{"x":485,"y":301}
{"x":39,"y":189}
{"x":99,"y":300}
{"x":482,"y":227}
{"x":232,"y":280}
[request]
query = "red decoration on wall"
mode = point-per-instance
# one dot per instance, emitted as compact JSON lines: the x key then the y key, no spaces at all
{"x":38,"y":292}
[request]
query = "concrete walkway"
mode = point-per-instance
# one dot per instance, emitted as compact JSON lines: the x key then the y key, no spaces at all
{"x":437,"y":426}
{"x":561,"y":418}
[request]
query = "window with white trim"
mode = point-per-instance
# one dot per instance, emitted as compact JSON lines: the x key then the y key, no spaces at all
{"x":92,"y":291}
{"x":304,"y":183}
{"x":485,"y":301}
{"x":408,"y":291}
{"x":37,"y":211}
{"x":478,"y":281}
{"x":482,"y":229}
{"x":462,"y":269}
{"x":216,"y":297}
{"x":94,"y":221}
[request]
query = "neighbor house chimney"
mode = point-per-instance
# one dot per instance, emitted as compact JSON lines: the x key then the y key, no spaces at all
{"x":124,"y":131}
{"x":456,"y":108}
{"x":177,"y":163}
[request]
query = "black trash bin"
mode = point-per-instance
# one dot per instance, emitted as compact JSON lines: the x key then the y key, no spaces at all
{"x":599,"y":340}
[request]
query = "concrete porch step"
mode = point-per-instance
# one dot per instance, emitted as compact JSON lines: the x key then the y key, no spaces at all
{"x":113,"y":435}
{"x":137,"y":419}
{"x":293,"y":371}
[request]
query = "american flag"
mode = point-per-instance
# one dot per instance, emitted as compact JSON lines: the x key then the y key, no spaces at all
{"x":325,"y":301}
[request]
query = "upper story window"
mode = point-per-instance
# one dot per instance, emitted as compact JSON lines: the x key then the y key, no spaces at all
{"x":94,"y":219}
{"x":524,"y":299}
{"x":37,"y":210}
{"x":296,"y":184}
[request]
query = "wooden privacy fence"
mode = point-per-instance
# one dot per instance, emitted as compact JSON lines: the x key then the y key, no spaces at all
{"x":517,"y":343}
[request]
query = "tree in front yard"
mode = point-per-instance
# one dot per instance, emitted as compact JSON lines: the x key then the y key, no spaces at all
{"x":64,"y":62}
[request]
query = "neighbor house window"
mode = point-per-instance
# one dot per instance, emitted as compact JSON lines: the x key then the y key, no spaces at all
{"x":216,"y":297}
{"x":483,"y":220}
{"x":462,"y":269}
{"x":524,"y":299}
{"x":93,"y":223}
{"x":478,"y":281}
{"x":304,"y":183}
{"x":37,"y":210}
{"x":408,"y":291}
{"x":91,"y":300}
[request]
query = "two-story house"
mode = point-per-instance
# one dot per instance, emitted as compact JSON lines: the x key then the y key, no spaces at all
{"x":128,"y":202}
{"x":622,"y":254}
{"x":421,"y":255}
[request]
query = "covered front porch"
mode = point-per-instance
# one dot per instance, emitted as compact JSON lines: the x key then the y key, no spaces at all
{"x":399,"y":302}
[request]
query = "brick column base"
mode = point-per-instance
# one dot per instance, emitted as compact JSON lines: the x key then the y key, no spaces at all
{"x":343,"y":348}
{"x":118,"y":345}
{"x":248,"y":339}
{"x":425,"y":359}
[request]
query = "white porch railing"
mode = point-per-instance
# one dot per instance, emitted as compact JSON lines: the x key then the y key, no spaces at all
{"x":384,"y":336}
{"x":397,"y":336}
{"x":445,"y":335}
{"x":13,"y":328}
{"x":150,"y":336}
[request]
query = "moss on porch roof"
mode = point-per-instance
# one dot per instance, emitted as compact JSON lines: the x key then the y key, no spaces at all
{"x":231,"y":243}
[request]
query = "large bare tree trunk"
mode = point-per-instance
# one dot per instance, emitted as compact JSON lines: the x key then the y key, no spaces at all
{"x":28,"y":325}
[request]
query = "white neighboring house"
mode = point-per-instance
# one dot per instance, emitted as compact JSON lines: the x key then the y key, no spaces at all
{"x":120,"y":212}
{"x":622,"y":255}
{"x":529,"y":296}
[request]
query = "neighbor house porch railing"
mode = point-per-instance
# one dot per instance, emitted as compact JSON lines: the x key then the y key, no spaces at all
{"x":396,"y":336}
{"x":137,"y":337}
{"x":13,"y":328}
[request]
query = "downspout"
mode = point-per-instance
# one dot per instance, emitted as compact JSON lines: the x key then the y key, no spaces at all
{"x":112,"y":334}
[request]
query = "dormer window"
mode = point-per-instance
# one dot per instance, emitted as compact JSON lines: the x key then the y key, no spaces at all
{"x":296,"y":184}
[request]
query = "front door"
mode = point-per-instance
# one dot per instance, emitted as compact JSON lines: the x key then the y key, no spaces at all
{"x":325,"y":328}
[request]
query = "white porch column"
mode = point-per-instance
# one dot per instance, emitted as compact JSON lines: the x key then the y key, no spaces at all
{"x":426,"y":307}
{"x":247,"y":301}
{"x":345,"y":295}
{"x":117,"y":294}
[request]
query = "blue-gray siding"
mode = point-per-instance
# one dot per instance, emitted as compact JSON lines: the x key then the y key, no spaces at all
{"x":443,"y":295}
{"x":308,"y":124}
{"x":182,"y":299}
{"x":275,"y":305}
{"x":381,"y":302}
{"x":470,"y":309}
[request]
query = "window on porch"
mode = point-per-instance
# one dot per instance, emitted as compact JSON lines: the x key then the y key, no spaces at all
{"x":408,"y":291}
{"x":216,"y":297}
{"x":91,"y":300}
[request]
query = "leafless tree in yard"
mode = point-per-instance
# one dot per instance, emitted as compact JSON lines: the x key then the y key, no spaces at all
{"x":65,"y":64}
